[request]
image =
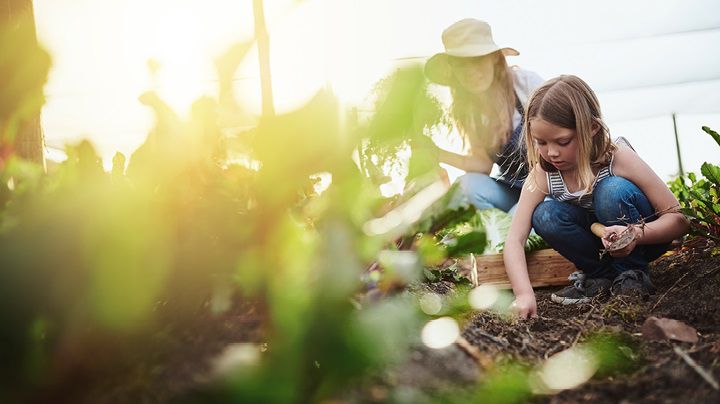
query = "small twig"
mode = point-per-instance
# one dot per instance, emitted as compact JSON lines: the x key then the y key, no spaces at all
{"x":697,"y":368}
{"x":582,"y":325}
{"x":527,"y":329}
{"x":699,"y":277}
{"x":473,"y":271}
{"x":699,"y":348}
{"x":372,"y":266}
{"x":554,"y":350}
{"x":668,"y":291}
{"x":627,"y":236}
{"x":491,"y":337}
{"x":483,"y":360}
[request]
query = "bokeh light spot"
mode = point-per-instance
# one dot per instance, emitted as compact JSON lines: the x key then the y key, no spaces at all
{"x":483,"y":297}
{"x":569,"y":369}
{"x":440,"y":333}
{"x":431,"y":303}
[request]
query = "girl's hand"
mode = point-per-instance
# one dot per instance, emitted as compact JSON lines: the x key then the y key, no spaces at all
{"x":613,"y":232}
{"x":525,"y":306}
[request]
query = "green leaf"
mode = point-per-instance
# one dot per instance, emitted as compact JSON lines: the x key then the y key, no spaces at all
{"x":430,"y":252}
{"x":496,"y":224}
{"x":473,"y":242}
{"x":431,"y":275}
{"x":712,"y":133}
{"x":711,"y":172}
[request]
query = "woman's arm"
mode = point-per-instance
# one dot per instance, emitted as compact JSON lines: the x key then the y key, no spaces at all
{"x":478,"y":160}
{"x":670,"y":223}
{"x":533,"y":192}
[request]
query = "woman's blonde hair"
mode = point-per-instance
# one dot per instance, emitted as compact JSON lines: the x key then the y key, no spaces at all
{"x":568,"y":102}
{"x":468,"y":109}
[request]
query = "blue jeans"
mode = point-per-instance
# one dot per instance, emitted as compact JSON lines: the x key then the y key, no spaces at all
{"x":486,"y":192}
{"x":566,"y":228}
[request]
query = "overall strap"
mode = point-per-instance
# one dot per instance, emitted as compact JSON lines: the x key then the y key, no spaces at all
{"x":518,"y":105}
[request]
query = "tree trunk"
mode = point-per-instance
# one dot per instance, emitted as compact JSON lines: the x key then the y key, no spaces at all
{"x":18,"y":16}
{"x":263,"y":42}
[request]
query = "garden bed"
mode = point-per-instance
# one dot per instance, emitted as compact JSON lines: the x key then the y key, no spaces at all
{"x":688,"y":289}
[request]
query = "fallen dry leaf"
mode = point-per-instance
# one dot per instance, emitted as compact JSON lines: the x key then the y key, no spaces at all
{"x":667,"y":328}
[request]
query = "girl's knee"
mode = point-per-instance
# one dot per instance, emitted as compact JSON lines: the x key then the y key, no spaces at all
{"x":614,"y":188}
{"x":614,"y":197}
{"x":548,"y":217}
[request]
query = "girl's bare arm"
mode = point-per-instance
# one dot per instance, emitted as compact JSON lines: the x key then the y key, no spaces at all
{"x":670,"y":223}
{"x":532,"y":194}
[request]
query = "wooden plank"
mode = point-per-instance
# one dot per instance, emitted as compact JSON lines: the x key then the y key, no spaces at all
{"x":545,"y":267}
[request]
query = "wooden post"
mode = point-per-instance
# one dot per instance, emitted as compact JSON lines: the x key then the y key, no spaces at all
{"x":677,"y":147}
{"x":263,"y":42}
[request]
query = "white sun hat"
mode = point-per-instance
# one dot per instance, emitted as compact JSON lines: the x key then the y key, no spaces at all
{"x":465,"y":38}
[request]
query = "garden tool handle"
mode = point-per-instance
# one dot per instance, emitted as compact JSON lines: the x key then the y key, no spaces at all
{"x":598,"y":229}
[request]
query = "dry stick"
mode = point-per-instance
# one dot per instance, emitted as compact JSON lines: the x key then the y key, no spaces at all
{"x":474,"y":271}
{"x":699,"y":277}
{"x":482,"y":359}
{"x":582,"y":325}
{"x":697,"y":368}
{"x":491,"y":337}
{"x":627,"y":236}
{"x":668,"y":291}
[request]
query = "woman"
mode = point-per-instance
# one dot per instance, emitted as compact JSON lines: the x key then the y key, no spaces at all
{"x":488,"y":99}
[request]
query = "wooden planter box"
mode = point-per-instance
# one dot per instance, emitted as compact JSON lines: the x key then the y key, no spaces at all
{"x":545,"y":267}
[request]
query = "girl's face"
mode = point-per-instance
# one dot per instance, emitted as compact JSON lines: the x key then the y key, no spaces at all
{"x":475,"y":74}
{"x":558,"y":146}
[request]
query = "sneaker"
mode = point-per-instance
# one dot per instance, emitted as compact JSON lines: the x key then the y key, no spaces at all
{"x":582,"y":290}
{"x":634,"y":281}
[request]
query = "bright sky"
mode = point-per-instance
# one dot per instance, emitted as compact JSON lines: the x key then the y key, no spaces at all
{"x":645,"y":58}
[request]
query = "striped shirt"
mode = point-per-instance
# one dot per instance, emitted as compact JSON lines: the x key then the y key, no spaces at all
{"x":558,"y":190}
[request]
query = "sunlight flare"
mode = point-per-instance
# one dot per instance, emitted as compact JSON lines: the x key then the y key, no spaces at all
{"x":484,"y":296}
{"x":431,"y":303}
{"x":440,"y":333}
{"x":569,"y":369}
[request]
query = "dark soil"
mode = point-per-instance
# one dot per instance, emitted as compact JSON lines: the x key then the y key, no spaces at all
{"x":688,"y":289}
{"x":150,"y":369}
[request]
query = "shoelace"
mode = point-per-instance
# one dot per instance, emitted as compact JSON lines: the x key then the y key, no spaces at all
{"x":579,"y":278}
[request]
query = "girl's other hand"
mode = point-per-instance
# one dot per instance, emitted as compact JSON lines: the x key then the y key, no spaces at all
{"x":612,"y":233}
{"x":525,"y":306}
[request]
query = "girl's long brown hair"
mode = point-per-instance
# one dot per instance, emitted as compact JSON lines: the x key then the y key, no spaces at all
{"x":467,"y":109}
{"x":568,"y":102}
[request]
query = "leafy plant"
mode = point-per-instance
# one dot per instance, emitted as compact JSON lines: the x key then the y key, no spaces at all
{"x":446,"y":274}
{"x":406,"y":112}
{"x":495,"y":224}
{"x":699,"y":199}
{"x":185,"y":233}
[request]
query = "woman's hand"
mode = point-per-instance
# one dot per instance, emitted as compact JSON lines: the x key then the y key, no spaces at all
{"x":525,"y":306}
{"x":613,"y":232}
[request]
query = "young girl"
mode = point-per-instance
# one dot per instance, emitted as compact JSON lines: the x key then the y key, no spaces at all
{"x":588,"y":179}
{"x":487,"y":107}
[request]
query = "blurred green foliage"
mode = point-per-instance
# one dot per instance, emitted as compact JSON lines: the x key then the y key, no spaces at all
{"x":95,"y":264}
{"x":406,"y":113}
{"x":87,"y":254}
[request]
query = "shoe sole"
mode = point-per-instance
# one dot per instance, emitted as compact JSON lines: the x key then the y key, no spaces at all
{"x":568,"y":301}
